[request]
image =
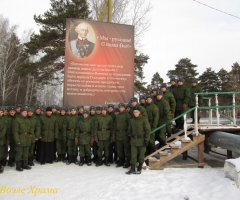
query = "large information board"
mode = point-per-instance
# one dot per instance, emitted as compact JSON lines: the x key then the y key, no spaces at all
{"x":99,"y":63}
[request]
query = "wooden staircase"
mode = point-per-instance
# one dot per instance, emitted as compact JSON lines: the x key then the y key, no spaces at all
{"x":160,"y":157}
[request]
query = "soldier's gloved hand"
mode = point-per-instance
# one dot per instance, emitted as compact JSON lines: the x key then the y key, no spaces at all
{"x":184,"y":106}
{"x":146,"y":143}
{"x":92,"y":141}
{"x":172,"y":115}
{"x":76,"y":141}
{"x":96,"y":139}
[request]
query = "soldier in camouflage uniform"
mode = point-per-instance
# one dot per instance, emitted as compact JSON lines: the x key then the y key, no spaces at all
{"x":69,"y":128}
{"x":139,"y":130}
{"x":18,"y":108}
{"x":3,"y":140}
{"x":128,"y":107}
{"x":49,"y":134}
{"x":98,"y":112}
{"x":35,"y":123}
{"x":112,"y":146}
{"x":38,"y":114}
{"x":80,"y":110}
{"x":10,"y":140}
{"x":182,"y":96}
{"x":142,"y":101}
{"x":61,"y":142}
{"x":84,"y":137}
{"x":5,"y":111}
{"x":120,"y":135}
{"x":168,"y":96}
{"x":153,"y":118}
{"x":22,"y":133}
{"x":103,"y":131}
{"x":164,"y":118}
{"x":195,"y":89}
{"x":134,"y":102}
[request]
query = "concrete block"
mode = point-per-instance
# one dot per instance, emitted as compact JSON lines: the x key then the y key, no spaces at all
{"x":232,"y":170}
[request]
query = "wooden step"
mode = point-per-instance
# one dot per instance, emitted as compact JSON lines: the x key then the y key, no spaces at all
{"x":162,"y":148}
{"x":174,"y":148}
{"x":163,"y":155}
{"x":198,"y":140}
{"x":185,"y":142}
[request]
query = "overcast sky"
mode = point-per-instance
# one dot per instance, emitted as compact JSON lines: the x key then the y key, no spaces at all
{"x":179,"y":29}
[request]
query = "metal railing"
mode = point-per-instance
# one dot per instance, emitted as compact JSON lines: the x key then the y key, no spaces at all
{"x":211,"y":108}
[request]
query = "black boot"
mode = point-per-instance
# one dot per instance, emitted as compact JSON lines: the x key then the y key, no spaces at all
{"x":120,"y":162}
{"x":4,"y":162}
{"x":127,"y":163}
{"x":59,"y":158}
{"x":66,"y":158}
{"x":11,"y":162}
{"x":1,"y":167}
{"x":19,"y":166}
{"x":132,"y":170}
{"x":107,"y":161}
{"x":99,"y":162}
{"x":25,"y":165}
{"x":147,"y":162}
{"x":69,"y":161}
{"x":139,"y":170}
{"x":75,"y":159}
{"x":89,"y":161}
{"x":30,"y":161}
{"x":63,"y":157}
{"x":81,"y":163}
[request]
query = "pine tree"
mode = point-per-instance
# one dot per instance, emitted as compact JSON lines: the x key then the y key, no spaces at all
{"x":156,"y":81}
{"x":184,"y":69}
{"x":139,"y":62}
{"x":49,"y":44}
{"x":209,"y":81}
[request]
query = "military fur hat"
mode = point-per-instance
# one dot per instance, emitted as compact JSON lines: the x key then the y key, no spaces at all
{"x":164,"y":85}
{"x":2,"y":108}
{"x":129,"y":105}
{"x":64,"y":108}
{"x":55,"y":106}
{"x":18,"y":105}
{"x":48,"y":108}
{"x":86,"y":112}
{"x":194,"y":81}
{"x":80,"y":107}
{"x":104,"y":108}
{"x":73,"y":108}
{"x":110,"y":105}
{"x":122,"y":104}
{"x":134,"y":99}
{"x":99,"y":108}
{"x":92,"y":108}
{"x":159,"y":93}
{"x":136,"y":108}
{"x":142,"y":97}
{"x":173,"y":79}
{"x":180,"y":80}
{"x":30,"y":109}
{"x":116,"y":110}
{"x":149,"y":96}
{"x":23,"y":109}
{"x":5,"y":108}
{"x":38,"y":107}
{"x":11,"y":108}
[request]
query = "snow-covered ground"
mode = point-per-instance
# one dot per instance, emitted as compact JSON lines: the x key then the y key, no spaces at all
{"x":74,"y":182}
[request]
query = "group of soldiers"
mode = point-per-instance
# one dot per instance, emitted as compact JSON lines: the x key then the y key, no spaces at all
{"x":123,"y":134}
